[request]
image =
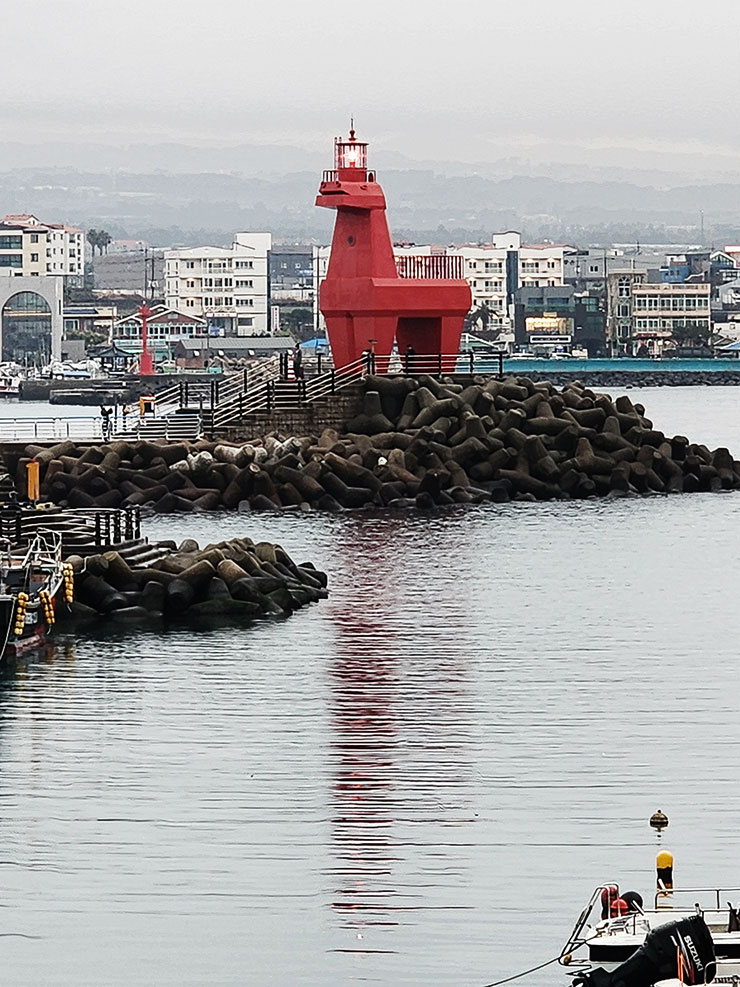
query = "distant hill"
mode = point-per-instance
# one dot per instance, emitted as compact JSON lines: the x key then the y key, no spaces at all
{"x":171,"y":193}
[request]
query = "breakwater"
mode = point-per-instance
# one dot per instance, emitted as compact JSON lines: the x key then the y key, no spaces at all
{"x":229,"y":580}
{"x":639,"y":378}
{"x":417,"y":441}
{"x":104,"y":390}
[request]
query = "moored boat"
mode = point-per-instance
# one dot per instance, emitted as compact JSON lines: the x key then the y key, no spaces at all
{"x":33,"y":584}
{"x":617,"y":926}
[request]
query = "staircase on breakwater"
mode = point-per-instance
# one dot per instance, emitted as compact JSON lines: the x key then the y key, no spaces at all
{"x":84,"y":532}
{"x":261,"y":395}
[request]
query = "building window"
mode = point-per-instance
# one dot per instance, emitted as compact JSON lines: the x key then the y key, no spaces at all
{"x":11,"y":243}
{"x":623,"y":287}
{"x":34,"y":238}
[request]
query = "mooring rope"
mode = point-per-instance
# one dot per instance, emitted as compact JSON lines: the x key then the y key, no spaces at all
{"x":525,"y":973}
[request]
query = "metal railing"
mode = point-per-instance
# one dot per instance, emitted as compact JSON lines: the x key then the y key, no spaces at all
{"x":251,"y":393}
{"x":435,"y":364}
{"x":44,"y":429}
{"x":279,"y":390}
{"x":430,"y":266}
{"x":77,"y":527}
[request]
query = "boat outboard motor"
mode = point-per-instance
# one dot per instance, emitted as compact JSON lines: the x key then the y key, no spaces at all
{"x":681,"y":950}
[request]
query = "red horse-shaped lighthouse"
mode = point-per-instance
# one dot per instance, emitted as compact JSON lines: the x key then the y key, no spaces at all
{"x":366,"y":303}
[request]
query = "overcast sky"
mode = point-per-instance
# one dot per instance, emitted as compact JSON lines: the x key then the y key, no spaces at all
{"x":468,"y":80}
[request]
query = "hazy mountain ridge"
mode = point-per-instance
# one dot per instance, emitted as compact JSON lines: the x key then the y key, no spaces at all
{"x":133,"y":203}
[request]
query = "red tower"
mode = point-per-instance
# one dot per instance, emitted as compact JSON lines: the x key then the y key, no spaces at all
{"x":364,"y":299}
{"x":146,"y":365}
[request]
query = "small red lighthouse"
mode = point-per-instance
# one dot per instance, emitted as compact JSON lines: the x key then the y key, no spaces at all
{"x":365,"y":301}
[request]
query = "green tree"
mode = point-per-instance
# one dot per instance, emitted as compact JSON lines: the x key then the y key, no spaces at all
{"x":104,"y":238}
{"x":298,"y":322}
{"x":93,"y":238}
{"x":685,"y":333}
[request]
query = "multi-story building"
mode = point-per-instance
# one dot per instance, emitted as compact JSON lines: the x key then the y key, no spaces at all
{"x":619,"y":327}
{"x":559,"y":318}
{"x":226,"y":286}
{"x":674,"y":312}
{"x":588,"y":269}
{"x":291,"y":273}
{"x":133,"y":272}
{"x":30,"y":248}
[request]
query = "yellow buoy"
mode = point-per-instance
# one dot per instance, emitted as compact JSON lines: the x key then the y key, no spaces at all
{"x":664,"y":870}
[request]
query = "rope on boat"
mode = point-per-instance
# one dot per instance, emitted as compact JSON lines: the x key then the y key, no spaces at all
{"x":525,"y":973}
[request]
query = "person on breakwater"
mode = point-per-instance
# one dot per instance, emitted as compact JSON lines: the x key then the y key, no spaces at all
{"x":105,"y":414}
{"x":297,"y":362}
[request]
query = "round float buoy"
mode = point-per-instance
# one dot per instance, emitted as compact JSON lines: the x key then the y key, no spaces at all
{"x":659,"y":820}
{"x":634,"y":900}
{"x":619,"y":907}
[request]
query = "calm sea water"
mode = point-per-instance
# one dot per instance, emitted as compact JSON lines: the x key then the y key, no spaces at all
{"x":417,"y":781}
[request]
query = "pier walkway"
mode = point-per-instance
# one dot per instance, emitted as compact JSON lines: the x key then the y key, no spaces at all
{"x":189,"y":408}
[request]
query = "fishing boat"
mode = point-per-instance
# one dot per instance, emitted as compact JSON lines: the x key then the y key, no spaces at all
{"x":10,"y":382}
{"x":33,"y":584}
{"x":613,"y":941}
{"x":699,"y":928}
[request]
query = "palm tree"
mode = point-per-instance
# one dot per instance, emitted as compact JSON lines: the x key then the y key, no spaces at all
{"x":479,"y":317}
{"x":104,"y":238}
{"x":93,"y":238}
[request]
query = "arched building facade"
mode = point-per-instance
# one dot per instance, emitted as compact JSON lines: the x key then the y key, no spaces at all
{"x":31,"y":319}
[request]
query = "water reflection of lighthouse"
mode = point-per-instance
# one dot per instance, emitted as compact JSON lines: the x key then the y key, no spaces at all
{"x":399,"y":742}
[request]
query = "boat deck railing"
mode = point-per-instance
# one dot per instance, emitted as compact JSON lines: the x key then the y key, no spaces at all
{"x":45,"y":547}
{"x":718,"y":894}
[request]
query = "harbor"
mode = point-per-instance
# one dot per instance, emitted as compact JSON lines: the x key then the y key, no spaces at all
{"x":380,"y":767}
{"x":369,"y":495}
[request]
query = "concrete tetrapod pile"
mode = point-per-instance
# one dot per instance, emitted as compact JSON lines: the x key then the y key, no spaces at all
{"x":235,"y":579}
{"x":417,"y":441}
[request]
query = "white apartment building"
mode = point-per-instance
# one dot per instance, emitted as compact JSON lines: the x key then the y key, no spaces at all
{"x":30,"y":248}
{"x":494,"y":271}
{"x":658,"y":310}
{"x":226,"y":286}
